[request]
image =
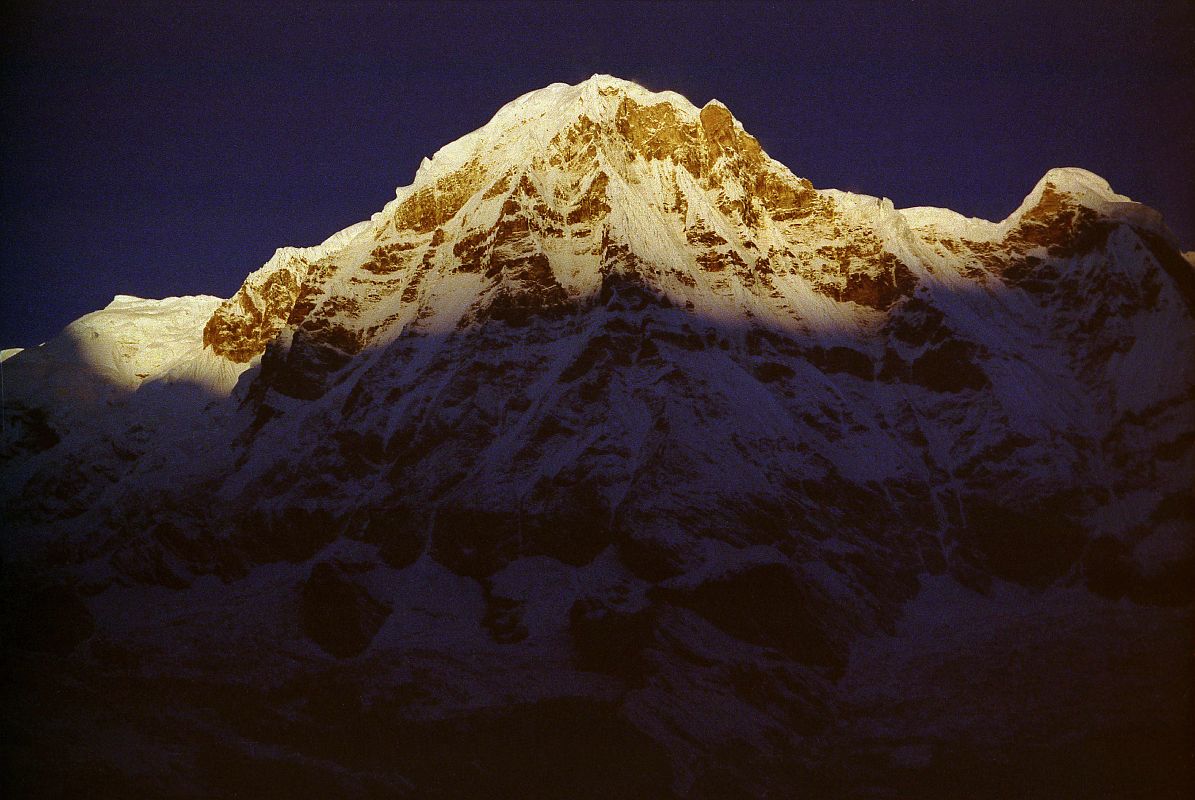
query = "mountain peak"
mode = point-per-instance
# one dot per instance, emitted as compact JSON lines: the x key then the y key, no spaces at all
{"x":1070,"y":200}
{"x":571,"y":186}
{"x":1079,"y":187}
{"x":559,"y":102}
{"x":610,"y":425}
{"x":528,"y":123}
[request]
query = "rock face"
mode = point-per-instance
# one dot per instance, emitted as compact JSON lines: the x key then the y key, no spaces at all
{"x":610,"y":438}
{"x":338,"y":615}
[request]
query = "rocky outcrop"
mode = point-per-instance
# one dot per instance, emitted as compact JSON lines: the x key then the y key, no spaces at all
{"x":337,"y":614}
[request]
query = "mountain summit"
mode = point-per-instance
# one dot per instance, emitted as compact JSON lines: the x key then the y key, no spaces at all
{"x":611,"y":458}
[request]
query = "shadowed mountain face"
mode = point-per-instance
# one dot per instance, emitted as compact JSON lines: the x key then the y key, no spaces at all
{"x":612,"y":459}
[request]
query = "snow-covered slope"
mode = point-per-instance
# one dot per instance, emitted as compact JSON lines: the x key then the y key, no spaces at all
{"x":102,"y":359}
{"x":608,"y":422}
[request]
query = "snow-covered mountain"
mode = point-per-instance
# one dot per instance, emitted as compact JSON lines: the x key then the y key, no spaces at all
{"x":611,"y":458}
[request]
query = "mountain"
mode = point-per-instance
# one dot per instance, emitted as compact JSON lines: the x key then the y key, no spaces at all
{"x":612,"y":459}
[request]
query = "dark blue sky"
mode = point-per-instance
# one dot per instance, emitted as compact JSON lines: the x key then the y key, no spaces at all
{"x":168,"y":148}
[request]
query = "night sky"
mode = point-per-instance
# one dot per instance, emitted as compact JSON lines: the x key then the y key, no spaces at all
{"x":168,"y":148}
